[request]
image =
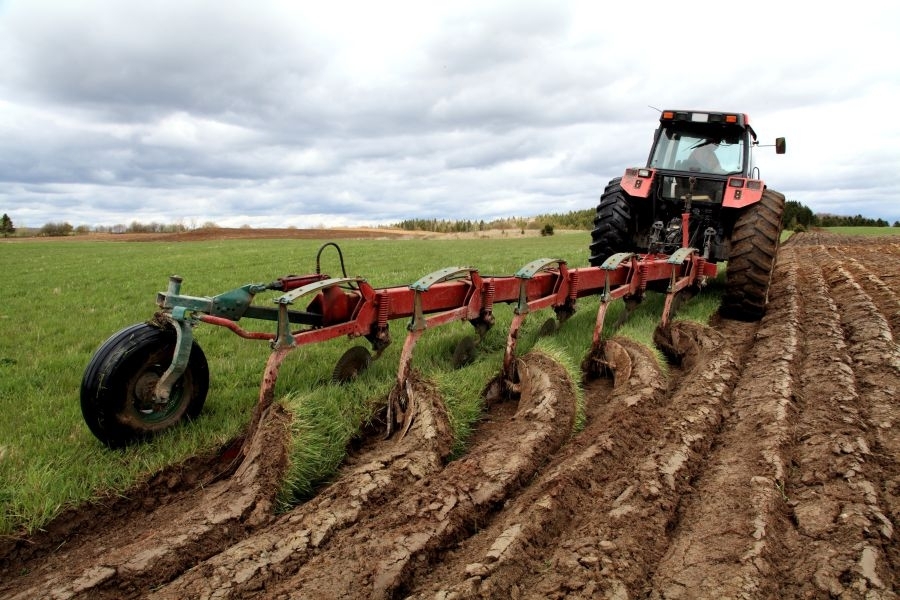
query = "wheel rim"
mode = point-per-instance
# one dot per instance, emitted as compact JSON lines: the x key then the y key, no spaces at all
{"x":140,"y":401}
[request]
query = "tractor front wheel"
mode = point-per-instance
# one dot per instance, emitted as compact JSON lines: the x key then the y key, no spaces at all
{"x":117,"y":389}
{"x":612,"y":225}
{"x":754,"y":247}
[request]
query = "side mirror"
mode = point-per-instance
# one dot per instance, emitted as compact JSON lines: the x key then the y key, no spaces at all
{"x":780,"y":145}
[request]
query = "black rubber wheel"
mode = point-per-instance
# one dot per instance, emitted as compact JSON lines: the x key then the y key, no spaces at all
{"x":613,"y":224}
{"x":351,"y":363}
{"x":754,"y":249}
{"x":118,"y":384}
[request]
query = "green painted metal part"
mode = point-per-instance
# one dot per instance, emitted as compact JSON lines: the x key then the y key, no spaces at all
{"x":232,"y":304}
{"x":681,"y":255}
{"x":184,"y":341}
{"x":536,"y":266}
{"x":615,"y":261}
{"x":424,"y":283}
{"x":526,"y":273}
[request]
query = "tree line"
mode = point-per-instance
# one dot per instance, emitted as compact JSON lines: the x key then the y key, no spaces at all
{"x":6,"y":226}
{"x":64,"y":228}
{"x":797,"y":216}
{"x":578,"y":219}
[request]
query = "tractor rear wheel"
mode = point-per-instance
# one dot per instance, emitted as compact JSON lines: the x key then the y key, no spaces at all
{"x":612,"y":225}
{"x":117,"y":390}
{"x":754,"y":247}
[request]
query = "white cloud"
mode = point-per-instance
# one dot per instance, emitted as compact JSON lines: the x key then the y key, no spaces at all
{"x":182,"y":130}
{"x":346,"y":112}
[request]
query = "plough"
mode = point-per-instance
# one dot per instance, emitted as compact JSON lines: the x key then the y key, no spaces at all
{"x":150,"y":376}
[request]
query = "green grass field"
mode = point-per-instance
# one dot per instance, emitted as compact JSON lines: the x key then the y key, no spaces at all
{"x":61,"y":300}
{"x":865,"y":231}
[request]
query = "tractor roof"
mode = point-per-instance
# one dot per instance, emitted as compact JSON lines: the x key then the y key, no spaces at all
{"x":705,"y":116}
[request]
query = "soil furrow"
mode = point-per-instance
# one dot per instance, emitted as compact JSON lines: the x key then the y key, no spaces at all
{"x":514,"y":554}
{"x":827,"y":485}
{"x":876,"y":358}
{"x":884,"y":296}
{"x":727,"y":543}
{"x":117,"y":563}
{"x":375,"y":559}
{"x":596,"y":523}
{"x":876,"y":365}
{"x":373,"y":555}
{"x":367,"y":481}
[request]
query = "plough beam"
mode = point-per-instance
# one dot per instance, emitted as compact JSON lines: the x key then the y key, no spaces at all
{"x":350,"y":306}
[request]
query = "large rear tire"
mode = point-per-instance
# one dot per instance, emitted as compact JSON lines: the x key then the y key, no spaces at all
{"x":612,"y":225}
{"x":117,"y":388}
{"x":754,"y":249}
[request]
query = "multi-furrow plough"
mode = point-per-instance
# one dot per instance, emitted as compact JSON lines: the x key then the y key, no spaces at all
{"x":150,"y":376}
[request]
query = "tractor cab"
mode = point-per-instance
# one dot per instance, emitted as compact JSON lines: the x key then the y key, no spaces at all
{"x":696,"y":152}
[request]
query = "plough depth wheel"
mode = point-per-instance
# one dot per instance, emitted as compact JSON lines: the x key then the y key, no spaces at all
{"x":118,"y":387}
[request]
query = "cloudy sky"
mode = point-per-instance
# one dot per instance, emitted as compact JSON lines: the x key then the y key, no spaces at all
{"x":277,"y":113}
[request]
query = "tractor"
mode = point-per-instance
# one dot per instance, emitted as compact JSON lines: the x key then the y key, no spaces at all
{"x":699,"y":189}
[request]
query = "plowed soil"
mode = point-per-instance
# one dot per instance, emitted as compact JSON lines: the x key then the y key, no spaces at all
{"x":763,"y":463}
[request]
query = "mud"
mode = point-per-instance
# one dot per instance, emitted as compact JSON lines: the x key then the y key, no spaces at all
{"x":762,"y":462}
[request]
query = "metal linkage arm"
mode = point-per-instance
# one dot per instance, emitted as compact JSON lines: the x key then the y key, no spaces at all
{"x":689,"y":270}
{"x":227,"y":308}
{"x":534,"y":297}
{"x":469,"y":308}
{"x":357,"y":322}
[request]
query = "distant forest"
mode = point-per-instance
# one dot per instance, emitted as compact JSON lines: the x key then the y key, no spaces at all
{"x":797,"y":217}
{"x":578,"y":219}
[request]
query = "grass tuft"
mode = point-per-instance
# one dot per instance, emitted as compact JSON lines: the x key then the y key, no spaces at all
{"x":565,"y":358}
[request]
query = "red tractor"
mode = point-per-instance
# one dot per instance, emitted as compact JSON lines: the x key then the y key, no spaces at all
{"x":701,"y":164}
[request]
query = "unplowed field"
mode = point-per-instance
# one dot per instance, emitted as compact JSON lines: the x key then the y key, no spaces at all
{"x":765,"y":463}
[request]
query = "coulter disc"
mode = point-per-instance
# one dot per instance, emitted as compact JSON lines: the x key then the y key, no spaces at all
{"x":353,"y":362}
{"x":549,"y":327}
{"x":464,"y":353}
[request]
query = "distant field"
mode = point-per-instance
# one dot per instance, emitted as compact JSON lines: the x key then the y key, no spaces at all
{"x":866,"y":231}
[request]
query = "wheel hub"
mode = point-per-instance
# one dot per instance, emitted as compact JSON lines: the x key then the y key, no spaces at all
{"x":145,"y":392}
